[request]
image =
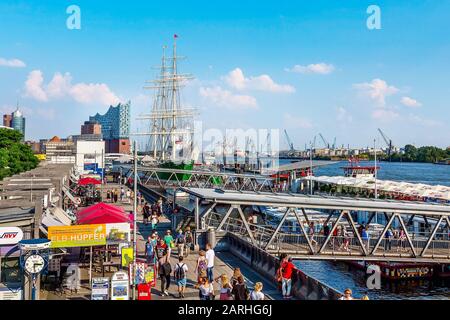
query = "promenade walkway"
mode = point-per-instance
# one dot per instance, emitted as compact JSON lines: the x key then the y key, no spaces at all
{"x":225,"y":262}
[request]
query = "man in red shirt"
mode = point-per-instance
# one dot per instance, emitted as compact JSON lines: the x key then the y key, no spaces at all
{"x":286,"y":277}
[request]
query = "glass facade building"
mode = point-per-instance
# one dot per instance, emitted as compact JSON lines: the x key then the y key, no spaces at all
{"x":115,"y":122}
{"x":18,"y":122}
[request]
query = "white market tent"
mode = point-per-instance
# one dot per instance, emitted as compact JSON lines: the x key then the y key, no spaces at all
{"x":405,"y":188}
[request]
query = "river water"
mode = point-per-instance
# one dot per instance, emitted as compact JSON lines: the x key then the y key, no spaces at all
{"x":341,"y":276}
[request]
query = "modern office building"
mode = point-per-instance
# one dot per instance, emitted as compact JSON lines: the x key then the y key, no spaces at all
{"x":18,"y":122}
{"x":115,"y":128}
{"x":15,"y":120}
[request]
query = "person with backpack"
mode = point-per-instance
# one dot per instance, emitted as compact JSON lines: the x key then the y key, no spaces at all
{"x":180,"y":275}
{"x":180,"y":242}
{"x":202,"y":265}
{"x":189,"y":241}
{"x":165,"y":270}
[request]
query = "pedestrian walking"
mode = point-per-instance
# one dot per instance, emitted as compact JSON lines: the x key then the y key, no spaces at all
{"x":365,"y":238}
{"x":210,"y":255}
{"x":122,"y":194}
{"x":388,"y":240}
{"x":128,"y":195}
{"x":236,"y":274}
{"x":257,"y":294}
{"x":202,"y":265}
{"x":161,"y":253}
{"x":154,"y":221}
{"x":206,"y":290}
{"x":189,"y":241}
{"x":287,"y":268}
{"x":180,"y":242}
{"x":311,"y":233}
{"x":240,"y":290}
{"x":168,"y":239}
{"x":146,"y":213}
{"x":180,"y":275}
{"x":164,"y":267}
{"x":225,"y":287}
{"x":150,"y":251}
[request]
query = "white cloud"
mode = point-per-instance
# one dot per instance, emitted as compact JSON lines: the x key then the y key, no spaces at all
{"x":314,"y":68}
{"x":33,"y":86}
{"x":343,"y":115}
{"x":385,"y":115}
{"x":291,"y":121}
{"x":89,"y":93}
{"x":13,"y":63}
{"x":237,"y":80}
{"x":376,"y":90}
{"x":61,"y":86}
{"x":227,"y":99}
{"x":410,"y":102}
{"x":423,"y":122}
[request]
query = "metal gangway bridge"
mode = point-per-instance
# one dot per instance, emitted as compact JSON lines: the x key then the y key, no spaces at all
{"x":225,"y":212}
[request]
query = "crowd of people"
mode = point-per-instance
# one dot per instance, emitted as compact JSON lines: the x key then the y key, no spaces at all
{"x":159,"y":251}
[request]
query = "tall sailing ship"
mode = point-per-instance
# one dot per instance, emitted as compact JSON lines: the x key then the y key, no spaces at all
{"x":171,"y":134}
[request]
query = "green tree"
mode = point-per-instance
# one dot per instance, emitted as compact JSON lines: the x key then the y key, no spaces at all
{"x":15,"y":157}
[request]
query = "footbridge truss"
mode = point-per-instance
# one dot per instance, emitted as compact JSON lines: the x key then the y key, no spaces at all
{"x":299,"y":227}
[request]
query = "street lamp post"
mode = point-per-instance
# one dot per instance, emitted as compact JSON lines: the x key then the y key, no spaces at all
{"x":135,"y":213}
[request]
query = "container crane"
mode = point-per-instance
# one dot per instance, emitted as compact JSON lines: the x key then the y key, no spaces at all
{"x":290,"y":144}
{"x":334,"y":143}
{"x":327,"y":145}
{"x":388,"y":143}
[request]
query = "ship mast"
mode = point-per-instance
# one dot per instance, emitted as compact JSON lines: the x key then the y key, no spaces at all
{"x":171,"y":123}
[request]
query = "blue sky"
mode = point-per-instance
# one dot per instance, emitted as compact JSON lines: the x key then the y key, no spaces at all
{"x":308,"y":66}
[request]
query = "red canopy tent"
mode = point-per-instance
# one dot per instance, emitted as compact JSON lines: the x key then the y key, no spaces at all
{"x":99,"y":206}
{"x":88,"y":181}
{"x":103,"y":213}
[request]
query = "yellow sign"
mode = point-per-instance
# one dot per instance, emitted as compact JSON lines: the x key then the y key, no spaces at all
{"x":41,"y":156}
{"x":127,"y":256}
{"x":77,"y":236}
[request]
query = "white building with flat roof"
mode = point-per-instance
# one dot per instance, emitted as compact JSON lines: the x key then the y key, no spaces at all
{"x":90,"y":155}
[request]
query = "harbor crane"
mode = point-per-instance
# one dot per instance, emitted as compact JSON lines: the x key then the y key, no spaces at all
{"x":334,"y":144}
{"x":388,"y":143}
{"x":327,"y":145}
{"x":290,"y":144}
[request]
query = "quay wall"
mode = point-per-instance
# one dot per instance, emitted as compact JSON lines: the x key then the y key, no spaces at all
{"x":304,"y":287}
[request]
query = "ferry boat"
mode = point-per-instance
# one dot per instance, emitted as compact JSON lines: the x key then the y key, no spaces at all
{"x":354,"y":170}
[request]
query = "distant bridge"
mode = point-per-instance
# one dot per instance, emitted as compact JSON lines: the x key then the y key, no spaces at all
{"x":225,"y":213}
